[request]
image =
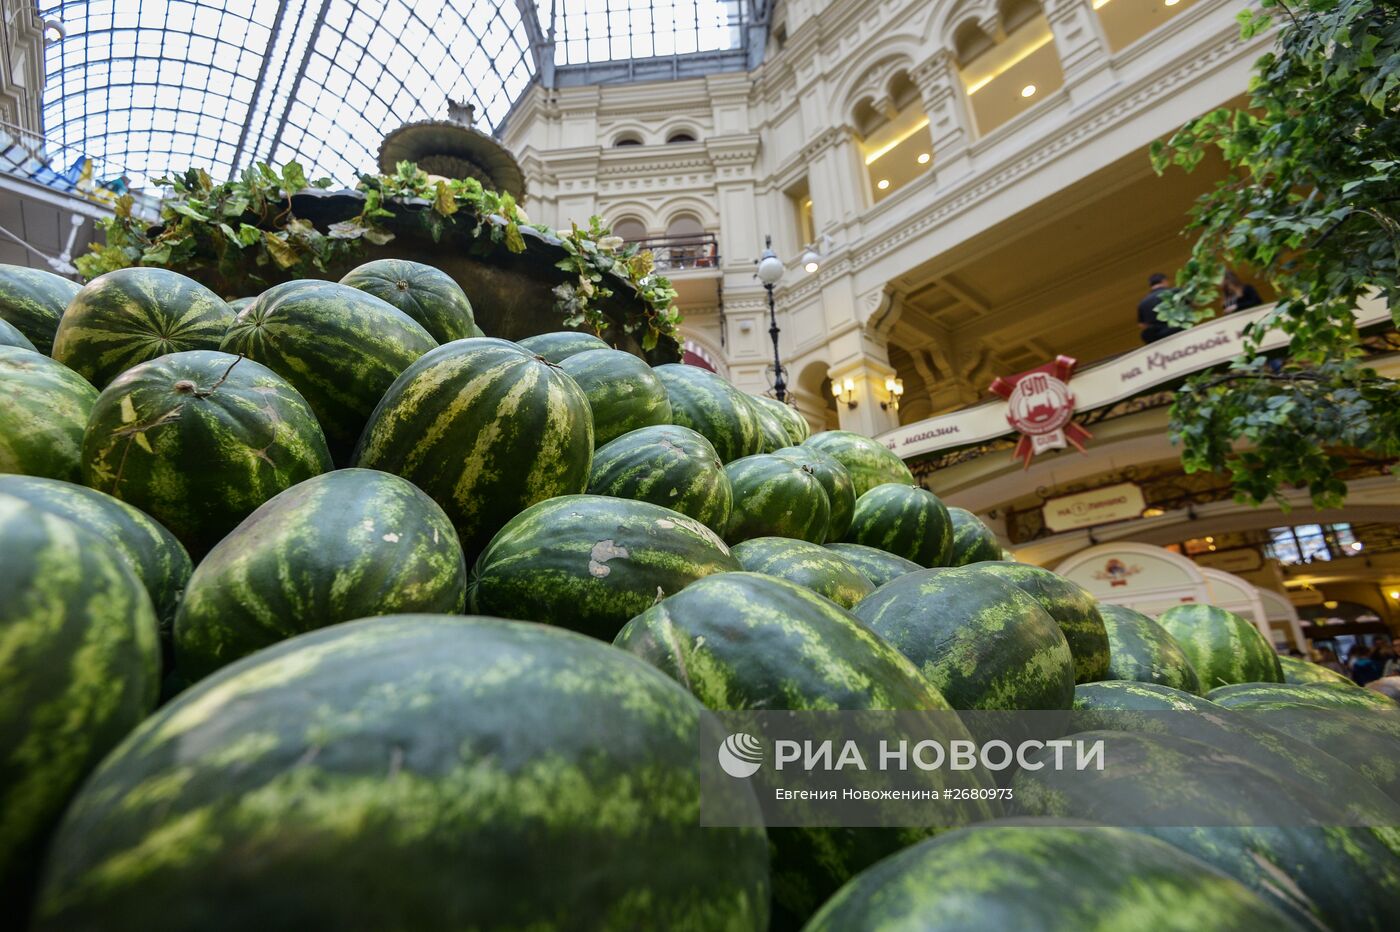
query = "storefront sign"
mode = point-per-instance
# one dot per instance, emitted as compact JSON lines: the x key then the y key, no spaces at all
{"x":1236,"y":560}
{"x":1040,"y":405}
{"x":1098,"y":506}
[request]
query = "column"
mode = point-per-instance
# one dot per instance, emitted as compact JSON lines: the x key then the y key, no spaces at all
{"x":1083,"y":48}
{"x":950,"y":120}
{"x":868,"y":375}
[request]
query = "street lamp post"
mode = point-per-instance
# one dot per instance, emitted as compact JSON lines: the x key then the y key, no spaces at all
{"x":770,"y":272}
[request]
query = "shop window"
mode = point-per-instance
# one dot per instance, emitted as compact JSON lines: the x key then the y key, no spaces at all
{"x":1126,"y":21}
{"x":1010,"y":73}
{"x":895,"y":143}
{"x":1306,"y":543}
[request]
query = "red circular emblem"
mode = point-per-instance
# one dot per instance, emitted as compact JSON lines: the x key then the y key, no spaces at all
{"x":1039,"y":404}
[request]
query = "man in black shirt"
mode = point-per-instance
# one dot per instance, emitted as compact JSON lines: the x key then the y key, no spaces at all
{"x":1152,"y":328}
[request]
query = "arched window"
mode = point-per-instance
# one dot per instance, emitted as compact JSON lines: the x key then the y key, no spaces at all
{"x":680,"y":136}
{"x":630,"y":229}
{"x":627,"y":139}
{"x":894,"y":135}
{"x":1010,"y":73}
{"x":687,"y":244}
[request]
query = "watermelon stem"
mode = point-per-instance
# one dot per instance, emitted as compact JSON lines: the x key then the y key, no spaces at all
{"x":210,"y":390}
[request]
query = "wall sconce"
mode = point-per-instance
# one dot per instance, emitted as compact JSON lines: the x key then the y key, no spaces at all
{"x":844,"y":391}
{"x":894,"y":388}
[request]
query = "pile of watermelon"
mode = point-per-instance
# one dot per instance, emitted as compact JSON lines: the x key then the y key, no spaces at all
{"x":321,"y":609}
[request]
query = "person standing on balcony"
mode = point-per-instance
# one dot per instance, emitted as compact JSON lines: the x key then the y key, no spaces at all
{"x":1152,"y":328}
{"x":1238,"y":295}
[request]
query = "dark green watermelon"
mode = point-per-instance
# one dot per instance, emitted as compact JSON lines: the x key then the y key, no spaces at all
{"x":1140,"y":649}
{"x":836,"y":482}
{"x":903,"y":520}
{"x":869,"y":462}
{"x":33,"y":300}
{"x":339,"y":347}
{"x":1299,"y":671}
{"x":134,"y":315}
{"x":794,"y":424}
{"x":808,"y":565}
{"x":1136,"y":696}
{"x":1223,"y":647}
{"x":743,"y":641}
{"x":708,"y":404}
{"x":973,"y":541}
{"x":590,"y":563}
{"x":1286,"y":695}
{"x":348,"y":544}
{"x":9,"y":336}
{"x":198,"y":440}
{"x":981,"y":641}
{"x":670,"y":466}
{"x":80,"y":667}
{"x":557,"y":347}
{"x":770,"y":425}
{"x":623,"y":392}
{"x":1047,"y":876}
{"x":486,"y":429}
{"x":775,"y":497}
{"x":1364,"y":739}
{"x":44,"y":409}
{"x":874,"y":564}
{"x":429,"y":296}
{"x":1072,"y":607}
{"x":239,"y":304}
{"x":411,"y":772}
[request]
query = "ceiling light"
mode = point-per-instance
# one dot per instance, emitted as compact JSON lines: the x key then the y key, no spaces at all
{"x":924,"y":159}
{"x":884,"y":184}
{"x":1395,"y":594}
{"x":1171,"y":2}
{"x":1356,"y":545}
{"x":1152,"y":512}
{"x":1210,"y":540}
{"x":1028,"y":90}
{"x":1330,"y":603}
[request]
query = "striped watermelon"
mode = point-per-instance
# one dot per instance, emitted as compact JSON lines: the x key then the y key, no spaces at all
{"x":742,"y":641}
{"x":836,"y":482}
{"x":1306,"y":695}
{"x":9,"y":336}
{"x":44,"y":408}
{"x":708,"y":404}
{"x":348,"y":544}
{"x":198,"y":440}
{"x":590,"y":563}
{"x":808,"y":565}
{"x":1299,"y":671}
{"x":412,"y":772}
{"x":775,"y":497}
{"x":875,"y":565}
{"x":982,"y":642}
{"x":903,"y":520}
{"x":486,"y":429}
{"x":794,"y":424}
{"x":1044,"y":875}
{"x":1137,"y":696}
{"x":1140,"y":649}
{"x":973,"y":541}
{"x":623,"y":392}
{"x":669,"y":466}
{"x":557,"y":347}
{"x":869,"y":463}
{"x":339,"y":347}
{"x":33,"y":300}
{"x":432,"y":298}
{"x":79,"y":668}
{"x":1222,"y":646}
{"x":770,"y":425}
{"x":239,"y":304}
{"x":1072,"y":607}
{"x":133,"y":315}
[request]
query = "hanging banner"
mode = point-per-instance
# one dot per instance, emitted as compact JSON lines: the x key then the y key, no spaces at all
{"x":1104,"y":505}
{"x":1040,"y":405}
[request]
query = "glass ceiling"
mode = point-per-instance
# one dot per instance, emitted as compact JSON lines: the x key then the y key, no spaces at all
{"x":155,"y":86}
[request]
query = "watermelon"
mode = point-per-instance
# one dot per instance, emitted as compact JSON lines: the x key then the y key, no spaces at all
{"x":339,"y":347}
{"x":808,"y":565}
{"x":411,"y":772}
{"x":1366,"y":741}
{"x":874,"y":564}
{"x":708,"y":404}
{"x":869,"y":462}
{"x":152,"y":552}
{"x":623,"y":392}
{"x":590,"y":563}
{"x":743,"y":641}
{"x":1223,"y":647}
{"x":133,"y":315}
{"x":44,"y":408}
{"x":557,"y":347}
{"x":775,"y":497}
{"x":1044,"y":875}
{"x":432,"y":298}
{"x":981,"y":642}
{"x":486,"y":429}
{"x":1140,"y":649}
{"x":198,"y":440}
{"x":9,"y":336}
{"x":794,"y":424}
{"x":770,"y":425}
{"x":1288,"y":695}
{"x":1137,"y":696}
{"x":1299,"y":671}
{"x":1072,"y":607}
{"x":903,"y":520}
{"x":836,"y":482}
{"x":239,"y":304}
{"x":348,"y":544}
{"x":32,"y":301}
{"x":973,"y":541}
{"x":670,"y":466}
{"x":80,"y":668}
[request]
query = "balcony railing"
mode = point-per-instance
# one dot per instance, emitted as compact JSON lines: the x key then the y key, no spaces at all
{"x":681,"y":253}
{"x":28,"y":155}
